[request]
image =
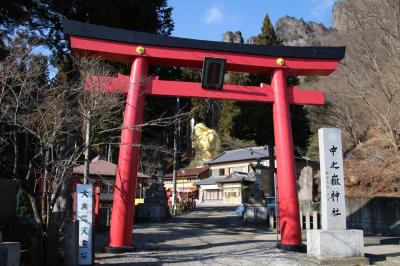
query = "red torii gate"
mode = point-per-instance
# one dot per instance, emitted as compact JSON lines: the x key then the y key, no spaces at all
{"x":142,"y":49}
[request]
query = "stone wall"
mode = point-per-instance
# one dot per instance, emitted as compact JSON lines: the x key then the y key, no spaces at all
{"x":374,"y":215}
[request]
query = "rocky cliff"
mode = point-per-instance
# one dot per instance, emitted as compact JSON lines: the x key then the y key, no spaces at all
{"x":297,"y":32}
{"x":340,"y":16}
{"x":292,"y":31}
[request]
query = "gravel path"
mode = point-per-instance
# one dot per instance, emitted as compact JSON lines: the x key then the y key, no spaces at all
{"x":206,"y":236}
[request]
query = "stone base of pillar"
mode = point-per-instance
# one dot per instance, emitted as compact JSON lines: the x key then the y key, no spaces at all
{"x":295,"y":248}
{"x":119,"y":250}
{"x":10,"y":253}
{"x":329,"y":244}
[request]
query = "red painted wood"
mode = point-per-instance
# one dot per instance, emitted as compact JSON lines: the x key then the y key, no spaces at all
{"x":305,"y":97}
{"x":289,"y":223}
{"x":183,"y":57}
{"x":155,"y":87}
{"x":194,"y":90}
{"x":125,"y":184}
{"x":117,"y":84}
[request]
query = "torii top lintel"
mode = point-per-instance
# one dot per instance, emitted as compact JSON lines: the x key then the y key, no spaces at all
{"x":120,"y":45}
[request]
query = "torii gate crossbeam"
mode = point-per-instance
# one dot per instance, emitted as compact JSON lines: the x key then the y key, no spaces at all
{"x":155,"y":87}
{"x":142,"y":49}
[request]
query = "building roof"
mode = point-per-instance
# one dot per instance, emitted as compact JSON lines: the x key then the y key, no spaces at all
{"x":212,"y":180}
{"x":232,"y":178}
{"x":101,"y":167}
{"x":247,"y":154}
{"x":81,"y":29}
{"x":188,"y":172}
{"x":238,"y":177}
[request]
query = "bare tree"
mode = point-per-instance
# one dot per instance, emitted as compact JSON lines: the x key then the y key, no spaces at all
{"x":49,"y":112}
{"x":364,"y":93}
{"x":372,"y":69}
{"x":45,"y":110}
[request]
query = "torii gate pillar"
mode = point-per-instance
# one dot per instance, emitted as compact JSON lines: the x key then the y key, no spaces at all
{"x":286,"y":179}
{"x":125,"y":184}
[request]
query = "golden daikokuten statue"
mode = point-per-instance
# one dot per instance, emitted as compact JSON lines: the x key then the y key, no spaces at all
{"x":206,"y":144}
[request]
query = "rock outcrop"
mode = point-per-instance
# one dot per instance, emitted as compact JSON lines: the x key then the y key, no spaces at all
{"x":340,"y":16}
{"x":235,"y":37}
{"x":252,"y":40}
{"x":297,"y":32}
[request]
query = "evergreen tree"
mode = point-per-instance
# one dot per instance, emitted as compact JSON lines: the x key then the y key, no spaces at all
{"x":229,"y":112}
{"x":268,"y":35}
{"x":42,"y":19}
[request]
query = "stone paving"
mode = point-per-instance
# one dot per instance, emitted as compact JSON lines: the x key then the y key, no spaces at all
{"x":213,"y":235}
{"x":206,"y":236}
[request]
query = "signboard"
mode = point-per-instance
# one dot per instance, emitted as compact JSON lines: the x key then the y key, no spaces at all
{"x":84,"y":213}
{"x":333,"y":208}
{"x":213,"y":73}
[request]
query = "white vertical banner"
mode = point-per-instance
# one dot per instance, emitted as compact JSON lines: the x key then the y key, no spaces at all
{"x":333,"y":207}
{"x":84,"y":213}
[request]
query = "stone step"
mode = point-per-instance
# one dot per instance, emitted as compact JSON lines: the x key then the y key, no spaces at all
{"x":375,"y":259}
{"x":390,"y":240}
{"x":383,"y":259}
{"x":350,"y":261}
{"x":395,"y":259}
{"x":379,"y":240}
{"x":386,"y":263}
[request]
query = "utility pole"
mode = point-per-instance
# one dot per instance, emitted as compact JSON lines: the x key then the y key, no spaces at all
{"x":178,"y":107}
{"x":174,"y":177}
{"x":176,"y":150}
{"x":87,"y":143}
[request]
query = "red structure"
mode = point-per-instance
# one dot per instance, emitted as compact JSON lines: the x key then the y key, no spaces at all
{"x":143,"y":49}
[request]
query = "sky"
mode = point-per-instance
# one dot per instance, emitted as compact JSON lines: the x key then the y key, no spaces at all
{"x":209,"y":19}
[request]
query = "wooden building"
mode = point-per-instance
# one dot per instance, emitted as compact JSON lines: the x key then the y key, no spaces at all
{"x":226,"y":190}
{"x":239,"y":160}
{"x":185,"y":178}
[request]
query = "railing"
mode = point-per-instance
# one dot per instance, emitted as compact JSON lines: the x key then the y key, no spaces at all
{"x":308,"y":220}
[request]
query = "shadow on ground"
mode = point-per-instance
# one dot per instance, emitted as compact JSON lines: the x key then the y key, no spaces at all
{"x":207,"y":235}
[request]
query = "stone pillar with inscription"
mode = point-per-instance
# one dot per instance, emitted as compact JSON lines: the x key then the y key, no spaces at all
{"x":84,"y":213}
{"x":333,"y":240}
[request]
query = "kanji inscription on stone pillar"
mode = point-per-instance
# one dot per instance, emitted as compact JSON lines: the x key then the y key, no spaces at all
{"x":84,"y":213}
{"x":333,"y":208}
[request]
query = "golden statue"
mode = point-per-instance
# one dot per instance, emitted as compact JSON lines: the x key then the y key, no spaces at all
{"x":206,"y":144}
